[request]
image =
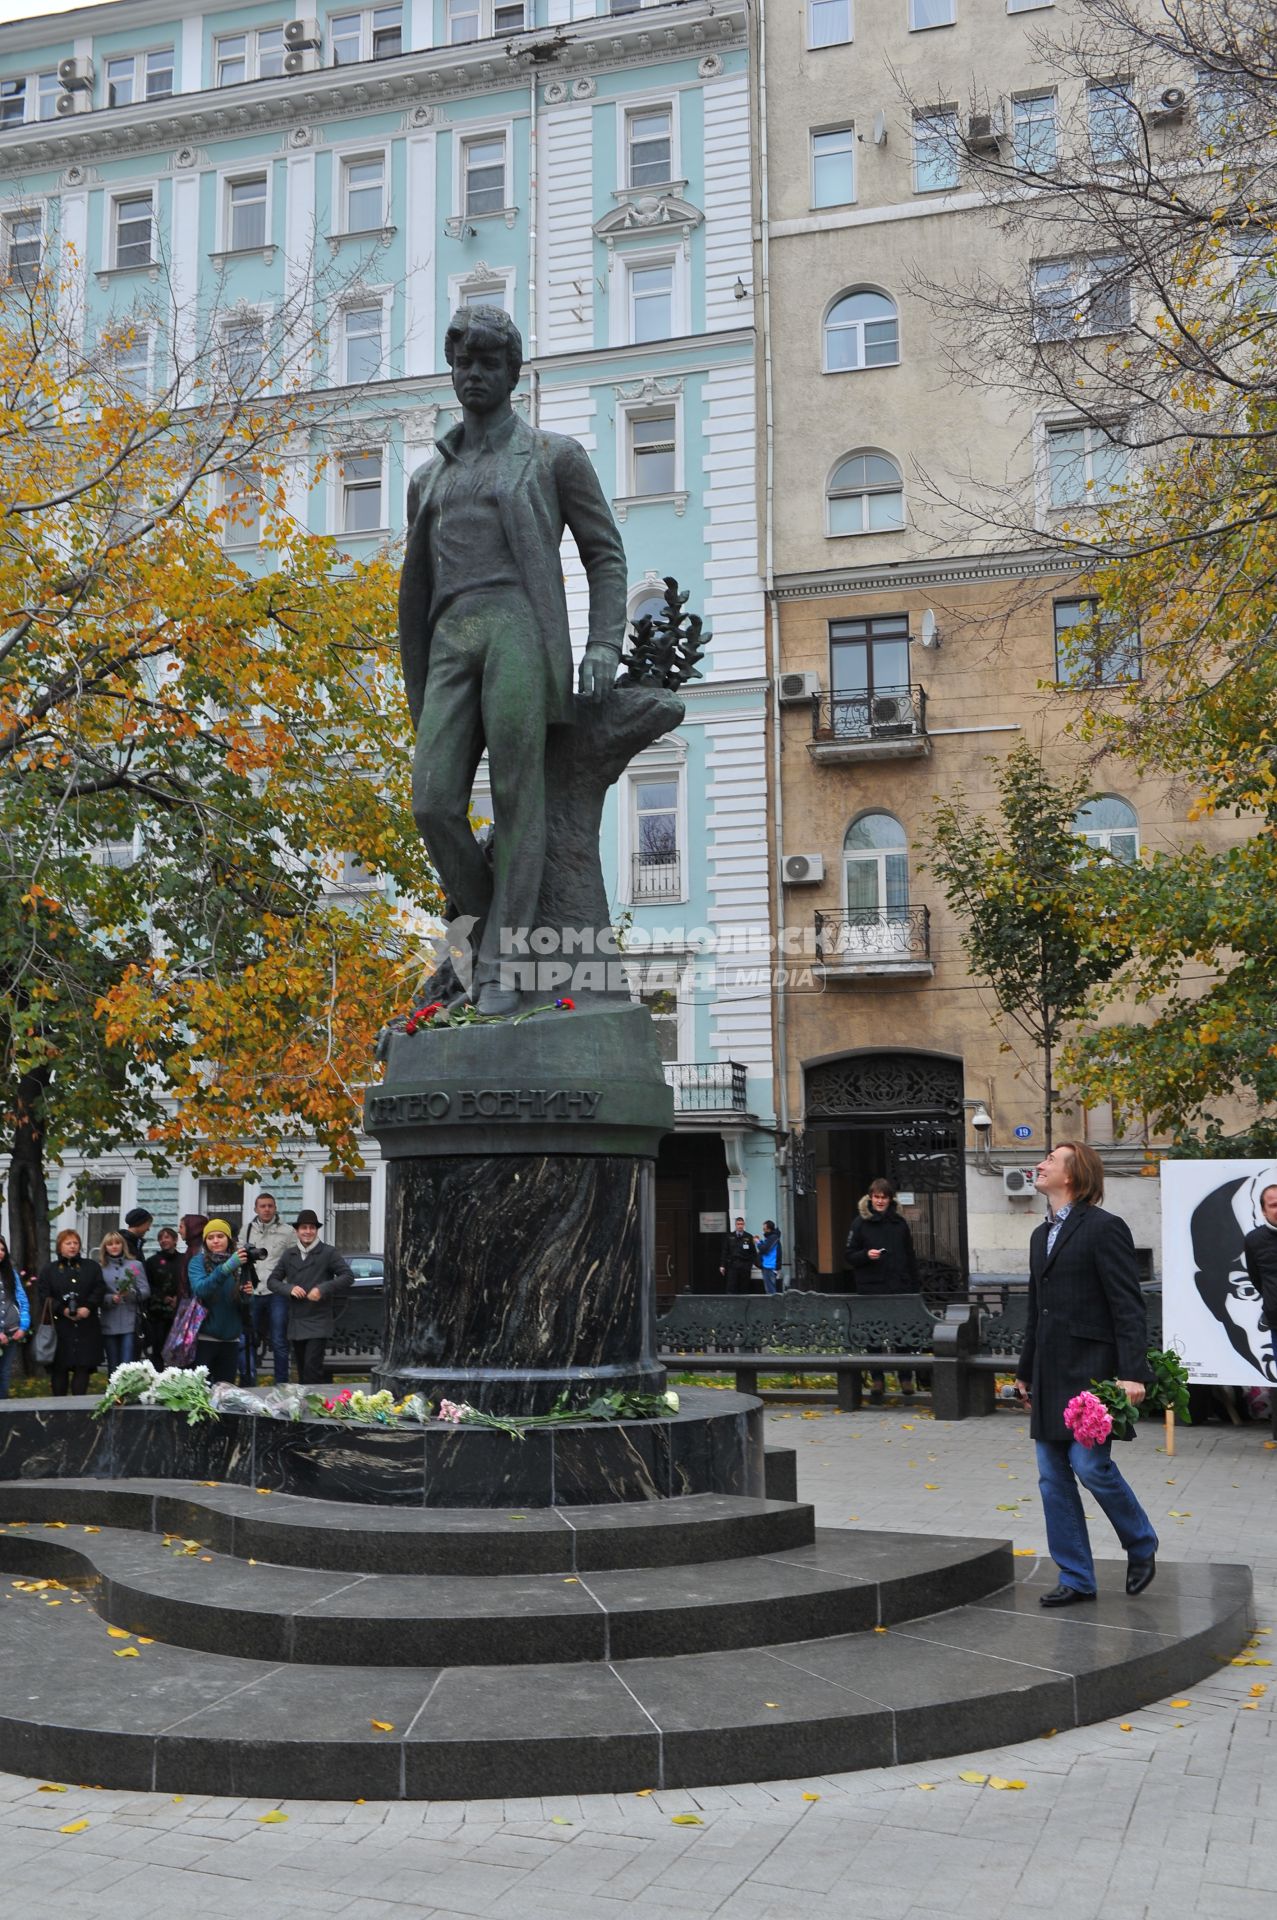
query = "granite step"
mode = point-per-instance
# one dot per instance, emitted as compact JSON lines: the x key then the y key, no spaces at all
{"x":290,"y":1530}
{"x":82,"y":1706}
{"x":177,"y":1590}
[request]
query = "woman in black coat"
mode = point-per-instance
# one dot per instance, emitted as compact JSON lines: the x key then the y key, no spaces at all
{"x":74,"y":1290}
{"x":881,"y":1258}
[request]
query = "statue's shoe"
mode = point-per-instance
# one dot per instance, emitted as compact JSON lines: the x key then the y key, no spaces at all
{"x":498,"y":1001}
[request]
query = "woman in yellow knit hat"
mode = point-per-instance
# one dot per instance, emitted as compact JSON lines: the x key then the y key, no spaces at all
{"x":217,"y":1278}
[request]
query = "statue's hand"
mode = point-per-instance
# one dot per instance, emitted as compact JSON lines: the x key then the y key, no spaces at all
{"x":597,"y":672}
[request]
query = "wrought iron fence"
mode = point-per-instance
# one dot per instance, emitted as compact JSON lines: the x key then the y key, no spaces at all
{"x":872,"y":933}
{"x":888,"y":713}
{"x":656,"y":876}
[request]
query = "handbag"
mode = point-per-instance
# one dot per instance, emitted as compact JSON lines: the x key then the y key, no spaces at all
{"x":179,"y":1347}
{"x":45,"y":1344}
{"x":11,"y":1316}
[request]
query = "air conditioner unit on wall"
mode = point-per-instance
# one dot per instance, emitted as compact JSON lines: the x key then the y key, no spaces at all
{"x":984,"y":129}
{"x":301,"y":60}
{"x":302,"y":33}
{"x":792,"y":688}
{"x":1165,"y":104}
{"x":1017,"y":1183}
{"x":72,"y":103}
{"x":75,"y":76}
{"x":803,"y":869}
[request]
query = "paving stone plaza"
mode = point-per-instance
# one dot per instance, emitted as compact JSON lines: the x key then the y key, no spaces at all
{"x":1166,"y":1813}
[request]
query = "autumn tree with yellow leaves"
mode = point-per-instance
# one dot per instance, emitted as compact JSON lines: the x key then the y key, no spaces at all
{"x":199,"y":737}
{"x":1148,"y":314}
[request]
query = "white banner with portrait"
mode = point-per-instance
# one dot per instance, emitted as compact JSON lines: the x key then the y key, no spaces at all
{"x":1211,"y":1314}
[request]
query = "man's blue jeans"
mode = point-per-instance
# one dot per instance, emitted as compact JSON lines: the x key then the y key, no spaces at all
{"x":771,"y":1279}
{"x":1060,"y":1467}
{"x":270,"y":1316}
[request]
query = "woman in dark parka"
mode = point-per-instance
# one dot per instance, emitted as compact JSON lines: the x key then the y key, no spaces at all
{"x":74,"y":1289}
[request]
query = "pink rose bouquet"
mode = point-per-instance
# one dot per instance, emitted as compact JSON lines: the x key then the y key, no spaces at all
{"x":1088,"y":1420}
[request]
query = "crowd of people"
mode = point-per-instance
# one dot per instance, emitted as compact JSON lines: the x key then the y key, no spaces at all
{"x":207,"y":1296}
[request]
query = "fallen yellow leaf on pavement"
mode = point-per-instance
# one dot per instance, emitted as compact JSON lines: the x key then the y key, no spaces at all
{"x":119,"y":1633}
{"x":1124,"y":1726}
{"x":686,"y":1820}
{"x":1181,"y":1703}
{"x":974,"y":1779}
{"x":126,"y":1653}
{"x":74,"y":1826}
{"x":811,"y":1796}
{"x":1006,"y":1786}
{"x":925,"y":1786}
{"x":271,"y":1819}
{"x":644,"y":1793}
{"x":50,"y":1787}
{"x":383,"y":1726}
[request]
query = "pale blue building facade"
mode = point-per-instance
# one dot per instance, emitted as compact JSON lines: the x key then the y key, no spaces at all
{"x":233,"y":175}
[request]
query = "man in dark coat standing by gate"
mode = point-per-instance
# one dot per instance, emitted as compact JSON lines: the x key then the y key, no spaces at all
{"x":1086,"y":1322}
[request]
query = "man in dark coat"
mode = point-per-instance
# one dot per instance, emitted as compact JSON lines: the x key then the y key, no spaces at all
{"x":1086,"y":1322}
{"x":738,"y":1259}
{"x":484,"y":637}
{"x":312,"y":1277}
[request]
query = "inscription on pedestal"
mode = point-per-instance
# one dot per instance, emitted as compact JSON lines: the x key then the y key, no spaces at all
{"x":484,"y":1103}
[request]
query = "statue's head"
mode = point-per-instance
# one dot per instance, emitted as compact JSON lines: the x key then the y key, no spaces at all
{"x":484,"y":348}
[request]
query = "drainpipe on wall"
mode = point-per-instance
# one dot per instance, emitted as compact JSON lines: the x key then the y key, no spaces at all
{"x":534,"y":186}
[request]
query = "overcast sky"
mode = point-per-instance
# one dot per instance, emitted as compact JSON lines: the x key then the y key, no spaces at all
{"x":21,"y":10}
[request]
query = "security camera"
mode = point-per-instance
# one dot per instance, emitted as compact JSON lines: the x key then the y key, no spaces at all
{"x":982,"y":1120}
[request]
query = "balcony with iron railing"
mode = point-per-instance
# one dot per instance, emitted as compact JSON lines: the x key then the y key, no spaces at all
{"x":888,"y":724}
{"x":707,"y":1089}
{"x":874,"y":940}
{"x":656,"y":876}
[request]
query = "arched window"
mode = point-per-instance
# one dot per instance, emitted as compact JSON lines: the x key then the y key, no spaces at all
{"x":646,"y":600}
{"x":866,"y":495}
{"x":1111,"y":826}
{"x":876,"y":863}
{"x":861,"y":330}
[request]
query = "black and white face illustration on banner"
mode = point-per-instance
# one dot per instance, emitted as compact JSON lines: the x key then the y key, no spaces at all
{"x":1220,"y":1222}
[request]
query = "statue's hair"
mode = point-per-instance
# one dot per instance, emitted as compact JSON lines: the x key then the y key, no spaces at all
{"x":490,"y":325}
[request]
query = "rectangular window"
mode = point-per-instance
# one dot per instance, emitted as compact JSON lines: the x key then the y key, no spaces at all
{"x":931,"y":13}
{"x":49,"y":87}
{"x":649,"y":146}
{"x":654,"y":822}
{"x":345,"y":37}
{"x":869,"y":661}
{"x":364,"y":193}
{"x":246,"y":212}
{"x":1091,"y":652}
{"x":13,"y":102}
{"x":1112,"y":121}
{"x":486,"y":294}
{"x":1034,"y":147}
{"x":223,"y":1200}
{"x":652,"y":464}
{"x":1085,"y":465}
{"x":387,"y":32}
{"x":103,"y":1213}
{"x":1077,"y":299}
{"x":242,"y":492}
{"x":935,"y":151}
{"x":828,"y":22}
{"x":1255,"y":268}
{"x":231,"y":59}
{"x":373,"y":35}
{"x":131,"y":363}
{"x":624,"y":6}
{"x":361,"y":328}
{"x":361,"y":493}
{"x":662,"y":1004}
{"x":246,"y":56}
{"x":508,"y":19}
{"x":483,"y":172}
{"x":23,"y":244}
{"x":159,"y":74}
{"x":270,"y":53}
{"x":348,"y":1212}
{"x":1220,"y":106}
{"x":119,"y":82}
{"x":243,"y":353}
{"x":833,"y":167}
{"x":134,"y":227}
{"x":651,"y":302}
{"x":1028,"y":6}
{"x":464,"y":21}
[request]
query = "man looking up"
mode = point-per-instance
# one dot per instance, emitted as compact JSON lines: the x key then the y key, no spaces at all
{"x":1086,"y":1322}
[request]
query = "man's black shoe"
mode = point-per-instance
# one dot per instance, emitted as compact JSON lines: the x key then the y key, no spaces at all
{"x":1064,"y":1597}
{"x":1139,"y":1574}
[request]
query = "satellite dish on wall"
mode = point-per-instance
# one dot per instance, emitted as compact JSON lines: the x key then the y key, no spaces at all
{"x":880,"y":128}
{"x":929,"y":633}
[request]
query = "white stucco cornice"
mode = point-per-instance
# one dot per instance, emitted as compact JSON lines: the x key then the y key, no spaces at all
{"x":941,"y":571}
{"x":409,"y":80}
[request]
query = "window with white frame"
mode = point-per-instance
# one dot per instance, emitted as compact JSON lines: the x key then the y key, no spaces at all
{"x":103,"y":1212}
{"x":139,"y":76}
{"x":876,"y":878}
{"x":828,"y":22}
{"x":348,"y":1212}
{"x":361,"y":492}
{"x":245,"y":212}
{"x":223,"y":1200}
{"x":249,"y":56}
{"x":649,"y":146}
{"x":133,"y":230}
{"x":243,"y":351}
{"x":652,"y":448}
{"x":833,"y":167}
{"x":1221,"y":106}
{"x":650,"y":292}
{"x":866,"y":495}
{"x":1111,"y":826}
{"x":363,"y":192}
{"x":861,"y":330}
{"x":362,"y":346}
{"x":465,"y":21}
{"x":29,"y":96}
{"x":935,"y":150}
{"x":483,"y":174}
{"x":1113,"y":121}
{"x":483,"y":293}
{"x":662,"y":1003}
{"x":1085,"y":465}
{"x":13,"y":102}
{"x":375,"y":33}
{"x":1028,"y":6}
{"x":1093,"y":649}
{"x":23,"y":239}
{"x":129,"y":354}
{"x":242,"y":498}
{"x":931,"y":13}
{"x":1078,"y":298}
{"x":508,"y":19}
{"x":1254,"y":256}
{"x":654,"y":837}
{"x":623,"y":6}
{"x":48,"y":88}
{"x":1034,"y":131}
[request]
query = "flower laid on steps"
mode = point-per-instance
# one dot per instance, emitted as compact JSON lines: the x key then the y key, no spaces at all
{"x":179,"y":1389}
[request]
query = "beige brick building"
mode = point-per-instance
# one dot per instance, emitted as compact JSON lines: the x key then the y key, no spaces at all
{"x":911,"y":643}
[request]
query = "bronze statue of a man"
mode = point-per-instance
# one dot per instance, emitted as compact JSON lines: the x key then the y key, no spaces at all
{"x":483,"y":631}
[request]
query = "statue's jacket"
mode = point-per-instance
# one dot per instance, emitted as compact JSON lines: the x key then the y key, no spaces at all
{"x":544,"y":482}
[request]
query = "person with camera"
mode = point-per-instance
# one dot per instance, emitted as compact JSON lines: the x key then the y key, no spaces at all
{"x":266,"y":1239}
{"x":71,"y":1291}
{"x":15,"y":1315}
{"x":312,"y":1278}
{"x":216,"y":1278}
